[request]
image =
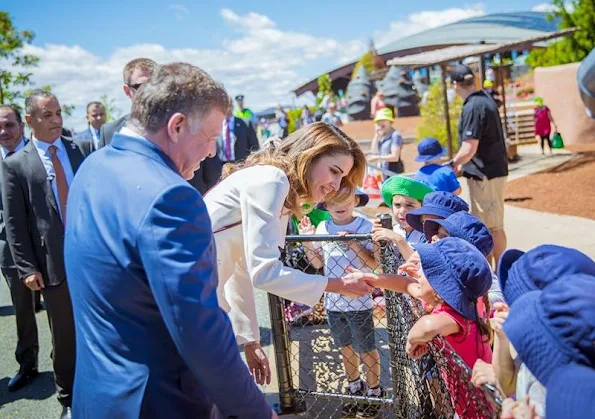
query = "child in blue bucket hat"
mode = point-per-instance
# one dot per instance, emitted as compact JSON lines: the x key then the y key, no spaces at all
{"x":450,"y":278}
{"x":441,"y":178}
{"x":471,"y":229}
{"x":521,"y":272}
{"x":554,"y":327}
{"x":436,"y":205}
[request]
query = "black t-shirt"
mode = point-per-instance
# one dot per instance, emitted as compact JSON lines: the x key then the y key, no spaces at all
{"x":480,"y":120}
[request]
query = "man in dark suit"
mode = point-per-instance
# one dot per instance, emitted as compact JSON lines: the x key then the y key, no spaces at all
{"x":12,"y":140}
{"x":207,"y":175}
{"x":96,"y":119}
{"x":36,"y":182}
{"x":237,"y":140}
{"x":135,"y":73}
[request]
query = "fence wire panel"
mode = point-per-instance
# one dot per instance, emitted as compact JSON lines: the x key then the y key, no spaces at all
{"x":328,"y":347}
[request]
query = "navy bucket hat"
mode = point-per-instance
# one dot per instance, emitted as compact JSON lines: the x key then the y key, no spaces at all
{"x":429,"y":149}
{"x":521,"y":272}
{"x":571,"y":393}
{"x":554,"y":327}
{"x":464,"y":226}
{"x":441,"y":204}
{"x":458,"y":272}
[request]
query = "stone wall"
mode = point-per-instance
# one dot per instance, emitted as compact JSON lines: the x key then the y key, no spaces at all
{"x":559,"y":89}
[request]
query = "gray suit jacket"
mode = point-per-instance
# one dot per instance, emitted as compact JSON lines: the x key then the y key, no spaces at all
{"x":6,"y":261}
{"x":34,"y":229}
{"x":108,"y":130}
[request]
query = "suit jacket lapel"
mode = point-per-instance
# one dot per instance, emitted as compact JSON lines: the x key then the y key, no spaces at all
{"x":39,"y":175}
{"x":74,"y":154}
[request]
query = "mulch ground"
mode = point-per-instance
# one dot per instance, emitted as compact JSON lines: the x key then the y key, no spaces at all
{"x":567,"y":189}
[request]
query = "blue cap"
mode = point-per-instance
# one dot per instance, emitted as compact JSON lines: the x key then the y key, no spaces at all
{"x":521,"y":272}
{"x":571,"y":393}
{"x":464,"y":226}
{"x":556,"y":326}
{"x":429,"y":149}
{"x":457,"y":272}
{"x":441,"y":204}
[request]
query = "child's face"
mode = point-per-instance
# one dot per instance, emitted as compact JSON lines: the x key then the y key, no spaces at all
{"x":343,"y":212}
{"x":427,"y":293}
{"x":403,"y":205}
{"x":440,"y":234}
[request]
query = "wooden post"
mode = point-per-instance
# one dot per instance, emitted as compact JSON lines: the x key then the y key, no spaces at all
{"x":446,"y":111}
{"x":503,"y":89}
{"x":482,"y":71}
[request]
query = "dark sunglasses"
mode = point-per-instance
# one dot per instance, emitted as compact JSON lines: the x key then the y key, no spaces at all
{"x":135,"y":86}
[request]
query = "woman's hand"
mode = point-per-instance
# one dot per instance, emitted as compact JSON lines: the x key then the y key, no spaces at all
{"x":258,"y":363}
{"x":500,"y":315}
{"x":369,"y":277}
{"x":305,"y":226}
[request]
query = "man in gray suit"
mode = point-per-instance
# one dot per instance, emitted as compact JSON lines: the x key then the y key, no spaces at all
{"x":135,"y":73}
{"x":12,"y":140}
{"x":96,"y":119}
{"x":34,"y":195}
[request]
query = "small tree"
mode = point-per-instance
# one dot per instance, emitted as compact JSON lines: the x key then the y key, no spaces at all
{"x":325,"y":87}
{"x":574,"y":48}
{"x":11,"y":56}
{"x":111,"y":110}
{"x":432,"y":112}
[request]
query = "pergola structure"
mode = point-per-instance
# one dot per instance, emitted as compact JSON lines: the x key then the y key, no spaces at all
{"x":443,"y":57}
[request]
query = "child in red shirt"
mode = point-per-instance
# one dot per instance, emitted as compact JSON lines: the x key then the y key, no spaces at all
{"x":543,"y":123}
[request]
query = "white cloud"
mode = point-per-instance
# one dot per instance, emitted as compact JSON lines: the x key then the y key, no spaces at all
{"x":180,"y":11}
{"x":549,"y":7}
{"x":257,"y":59}
{"x":420,"y":21}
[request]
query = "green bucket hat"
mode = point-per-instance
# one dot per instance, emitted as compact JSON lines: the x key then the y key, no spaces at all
{"x":406,"y":186}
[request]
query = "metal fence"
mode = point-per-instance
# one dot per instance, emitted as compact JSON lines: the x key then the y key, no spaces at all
{"x":314,"y":364}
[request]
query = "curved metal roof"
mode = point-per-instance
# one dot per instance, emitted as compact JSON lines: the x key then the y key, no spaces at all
{"x":495,"y":28}
{"x":490,"y":29}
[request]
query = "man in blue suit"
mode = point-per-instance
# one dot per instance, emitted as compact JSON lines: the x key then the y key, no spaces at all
{"x":96,"y":118}
{"x":151,"y":339}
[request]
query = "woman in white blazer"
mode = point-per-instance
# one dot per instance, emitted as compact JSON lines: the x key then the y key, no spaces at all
{"x":249,"y":210}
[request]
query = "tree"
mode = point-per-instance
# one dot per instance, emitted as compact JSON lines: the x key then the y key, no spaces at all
{"x":12,"y":57}
{"x":111,"y":110}
{"x":580,"y":13}
{"x":433,"y":124}
{"x":325,"y":87}
{"x":367,"y":61}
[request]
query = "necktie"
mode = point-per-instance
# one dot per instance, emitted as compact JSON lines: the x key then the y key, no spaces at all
{"x":60,"y":180}
{"x":227,"y":141}
{"x":10,"y":153}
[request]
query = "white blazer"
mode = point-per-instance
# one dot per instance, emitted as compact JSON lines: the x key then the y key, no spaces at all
{"x":248,"y":254}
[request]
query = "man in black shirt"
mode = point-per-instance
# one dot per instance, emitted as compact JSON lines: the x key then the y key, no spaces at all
{"x":482,"y":158}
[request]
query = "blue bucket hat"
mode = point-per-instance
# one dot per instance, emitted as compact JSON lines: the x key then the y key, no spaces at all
{"x":429,"y":149}
{"x":571,"y":393}
{"x":556,"y":326}
{"x":464,"y":226}
{"x":457,"y":272}
{"x":441,"y":204}
{"x":521,"y":272}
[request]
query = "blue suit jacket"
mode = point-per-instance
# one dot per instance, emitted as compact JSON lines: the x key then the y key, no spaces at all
{"x":151,"y":339}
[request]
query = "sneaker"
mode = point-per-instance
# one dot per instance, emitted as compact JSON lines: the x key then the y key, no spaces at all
{"x":350,"y":409}
{"x":371,"y":410}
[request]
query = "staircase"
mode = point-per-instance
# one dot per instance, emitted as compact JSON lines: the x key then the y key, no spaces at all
{"x":521,"y":128}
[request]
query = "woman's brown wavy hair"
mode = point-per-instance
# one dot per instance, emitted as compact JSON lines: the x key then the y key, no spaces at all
{"x":296,"y":154}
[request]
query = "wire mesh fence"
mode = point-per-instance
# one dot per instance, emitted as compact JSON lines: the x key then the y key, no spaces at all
{"x":346,"y":357}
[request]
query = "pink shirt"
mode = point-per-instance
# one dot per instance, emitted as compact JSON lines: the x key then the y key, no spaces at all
{"x":543,"y":125}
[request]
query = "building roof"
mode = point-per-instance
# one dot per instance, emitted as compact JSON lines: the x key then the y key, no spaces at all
{"x":491,"y":29}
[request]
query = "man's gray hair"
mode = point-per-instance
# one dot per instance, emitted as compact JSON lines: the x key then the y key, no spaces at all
{"x":33,"y":98}
{"x":176,"y":88}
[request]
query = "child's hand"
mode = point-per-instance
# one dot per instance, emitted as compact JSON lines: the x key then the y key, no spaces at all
{"x":384,"y":234}
{"x":483,"y":373}
{"x":368,"y":277}
{"x":500,"y":316}
{"x":416,"y":350}
{"x":520,"y":409}
{"x":305,"y":226}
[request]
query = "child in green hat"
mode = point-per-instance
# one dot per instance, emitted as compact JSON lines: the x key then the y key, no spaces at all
{"x":403,"y":194}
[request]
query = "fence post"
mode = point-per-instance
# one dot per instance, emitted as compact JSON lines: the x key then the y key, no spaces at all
{"x":280,"y":335}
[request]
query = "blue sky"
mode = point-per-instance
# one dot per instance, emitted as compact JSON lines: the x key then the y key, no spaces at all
{"x":261,"y":48}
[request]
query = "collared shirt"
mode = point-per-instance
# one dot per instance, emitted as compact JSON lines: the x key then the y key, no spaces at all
{"x":4,"y":151}
{"x":96,"y":135}
{"x":46,"y":158}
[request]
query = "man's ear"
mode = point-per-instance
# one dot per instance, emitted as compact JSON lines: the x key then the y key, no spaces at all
{"x":175,"y":125}
{"x":127,"y":91}
{"x":28,"y":119}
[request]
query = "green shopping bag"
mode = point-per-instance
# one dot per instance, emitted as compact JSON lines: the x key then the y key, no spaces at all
{"x":557,"y":141}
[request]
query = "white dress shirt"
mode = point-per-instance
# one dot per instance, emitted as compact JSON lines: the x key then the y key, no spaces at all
{"x":248,"y":254}
{"x":4,"y":151}
{"x":95,"y":135}
{"x":46,"y":159}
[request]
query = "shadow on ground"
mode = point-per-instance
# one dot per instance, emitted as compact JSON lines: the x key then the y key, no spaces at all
{"x":40,"y":389}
